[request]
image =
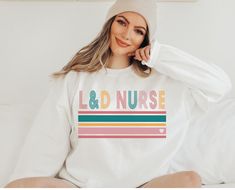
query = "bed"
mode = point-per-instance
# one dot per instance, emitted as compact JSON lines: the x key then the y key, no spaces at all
{"x":209,"y":146}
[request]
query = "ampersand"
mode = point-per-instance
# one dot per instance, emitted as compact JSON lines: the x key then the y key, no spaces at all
{"x":93,"y":102}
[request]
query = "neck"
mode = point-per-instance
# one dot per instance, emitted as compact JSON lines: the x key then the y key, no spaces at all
{"x":118,"y":62}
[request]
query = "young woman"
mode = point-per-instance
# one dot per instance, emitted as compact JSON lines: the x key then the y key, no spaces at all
{"x":119,"y":110}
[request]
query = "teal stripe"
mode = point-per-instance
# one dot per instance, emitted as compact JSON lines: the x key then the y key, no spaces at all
{"x":122,"y":118}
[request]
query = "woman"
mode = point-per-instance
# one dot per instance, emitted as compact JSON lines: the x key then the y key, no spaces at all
{"x":119,"y":110}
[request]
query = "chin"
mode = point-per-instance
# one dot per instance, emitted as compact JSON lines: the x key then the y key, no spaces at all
{"x":119,"y":51}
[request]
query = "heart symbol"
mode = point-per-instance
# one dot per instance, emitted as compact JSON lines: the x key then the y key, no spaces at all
{"x":161,"y":130}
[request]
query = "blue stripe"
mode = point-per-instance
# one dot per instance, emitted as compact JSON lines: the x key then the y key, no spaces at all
{"x":122,"y":118}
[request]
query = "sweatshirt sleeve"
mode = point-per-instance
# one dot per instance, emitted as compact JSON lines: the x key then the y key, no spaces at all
{"x":207,"y":82}
{"x":47,"y":143}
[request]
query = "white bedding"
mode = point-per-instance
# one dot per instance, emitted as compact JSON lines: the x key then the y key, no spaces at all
{"x":214,"y":129}
{"x":209,"y":146}
{"x":15,"y":121}
{"x":228,"y":185}
{"x":29,"y":53}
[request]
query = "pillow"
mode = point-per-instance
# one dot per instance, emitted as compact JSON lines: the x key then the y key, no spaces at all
{"x":15,"y":121}
{"x":209,"y":145}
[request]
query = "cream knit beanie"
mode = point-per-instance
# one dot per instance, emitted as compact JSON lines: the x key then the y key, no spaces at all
{"x":146,"y":8}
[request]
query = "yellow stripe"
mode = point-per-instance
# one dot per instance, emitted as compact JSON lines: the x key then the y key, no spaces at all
{"x":122,"y":124}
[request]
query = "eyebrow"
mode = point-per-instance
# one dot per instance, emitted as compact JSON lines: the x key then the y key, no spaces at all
{"x":129,"y":22}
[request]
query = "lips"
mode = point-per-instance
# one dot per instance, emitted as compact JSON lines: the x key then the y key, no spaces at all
{"x":121,"y":43}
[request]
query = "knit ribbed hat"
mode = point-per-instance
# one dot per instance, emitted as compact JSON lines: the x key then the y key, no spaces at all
{"x":146,"y":8}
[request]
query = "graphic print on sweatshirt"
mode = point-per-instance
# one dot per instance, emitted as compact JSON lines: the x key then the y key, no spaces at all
{"x":122,"y":114}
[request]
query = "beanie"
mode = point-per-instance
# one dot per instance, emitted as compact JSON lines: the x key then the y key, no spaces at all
{"x":146,"y":8}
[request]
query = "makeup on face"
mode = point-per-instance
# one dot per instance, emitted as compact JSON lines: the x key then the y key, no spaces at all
{"x":141,"y":32}
{"x":121,"y":43}
{"x":122,"y":22}
{"x":127,"y":32}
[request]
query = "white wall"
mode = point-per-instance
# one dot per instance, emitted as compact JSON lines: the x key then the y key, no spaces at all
{"x":37,"y":38}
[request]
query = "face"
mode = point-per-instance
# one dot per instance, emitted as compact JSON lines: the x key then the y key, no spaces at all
{"x":128,"y":31}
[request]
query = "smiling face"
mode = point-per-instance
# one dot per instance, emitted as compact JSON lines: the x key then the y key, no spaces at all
{"x":128,"y":31}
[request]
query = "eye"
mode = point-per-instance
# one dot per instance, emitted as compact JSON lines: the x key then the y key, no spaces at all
{"x":121,"y":22}
{"x":140,"y":32}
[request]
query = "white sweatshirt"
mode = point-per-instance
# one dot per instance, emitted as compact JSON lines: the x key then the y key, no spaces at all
{"x":115,"y":129}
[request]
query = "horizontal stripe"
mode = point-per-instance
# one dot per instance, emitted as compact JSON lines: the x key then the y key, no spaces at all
{"x":122,"y":130}
{"x":122,"y":112}
{"x":122,"y":118}
{"x":122,"y":124}
{"x":121,"y":135}
{"x":131,"y":136}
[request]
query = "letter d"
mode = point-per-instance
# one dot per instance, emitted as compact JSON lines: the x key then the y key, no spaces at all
{"x":102,"y":103}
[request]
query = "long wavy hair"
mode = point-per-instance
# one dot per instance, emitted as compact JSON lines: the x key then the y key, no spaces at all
{"x":92,"y":57}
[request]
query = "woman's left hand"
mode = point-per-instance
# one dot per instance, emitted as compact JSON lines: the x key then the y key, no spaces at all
{"x":141,"y":53}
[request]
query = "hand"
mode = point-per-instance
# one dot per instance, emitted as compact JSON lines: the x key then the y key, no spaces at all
{"x":141,"y":53}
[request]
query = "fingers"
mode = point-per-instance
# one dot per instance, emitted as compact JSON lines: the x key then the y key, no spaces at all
{"x":138,"y":55}
{"x":143,"y":54}
{"x":131,"y":54}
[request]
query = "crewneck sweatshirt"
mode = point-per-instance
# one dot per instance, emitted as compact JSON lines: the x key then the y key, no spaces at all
{"x":113,"y":128}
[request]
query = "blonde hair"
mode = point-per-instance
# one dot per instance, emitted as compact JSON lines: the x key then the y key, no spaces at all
{"x":91,"y":57}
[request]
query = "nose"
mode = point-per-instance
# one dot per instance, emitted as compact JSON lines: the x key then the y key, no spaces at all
{"x":127,"y":34}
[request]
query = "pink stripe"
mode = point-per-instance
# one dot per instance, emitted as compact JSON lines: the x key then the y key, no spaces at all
{"x":100,"y":130}
{"x":121,"y":112}
{"x":122,"y":136}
